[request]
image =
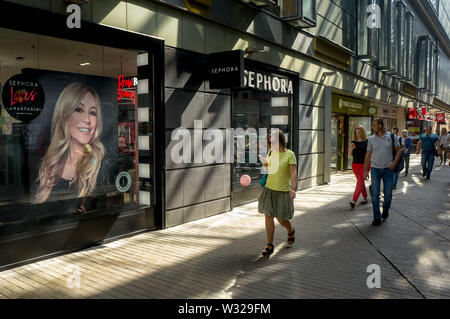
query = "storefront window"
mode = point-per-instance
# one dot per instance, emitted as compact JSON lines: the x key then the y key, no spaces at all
{"x":257,"y":109}
{"x":300,"y":13}
{"x":423,"y":68}
{"x":69,"y":131}
{"x":386,"y":38}
{"x":368,"y":14}
{"x":400,"y":27}
{"x":409,"y":46}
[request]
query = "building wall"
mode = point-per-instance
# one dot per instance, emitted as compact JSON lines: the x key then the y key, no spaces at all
{"x":444,"y":15}
{"x":290,"y":48}
{"x":193,"y":190}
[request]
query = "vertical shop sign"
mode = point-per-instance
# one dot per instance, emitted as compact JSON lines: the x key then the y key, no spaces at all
{"x":226,"y":69}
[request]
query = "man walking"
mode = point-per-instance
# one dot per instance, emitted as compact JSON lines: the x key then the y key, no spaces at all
{"x":428,"y":143}
{"x":380,"y":155}
{"x":406,"y":145}
{"x":395,"y":134}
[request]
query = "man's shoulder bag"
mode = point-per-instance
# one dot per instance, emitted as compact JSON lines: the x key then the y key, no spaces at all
{"x":435,"y":152}
{"x":400,"y":165}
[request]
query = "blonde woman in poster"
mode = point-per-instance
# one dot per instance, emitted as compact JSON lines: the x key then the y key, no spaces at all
{"x":73,"y":159}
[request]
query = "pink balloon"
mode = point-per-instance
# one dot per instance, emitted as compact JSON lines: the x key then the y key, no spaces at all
{"x":245,"y":180}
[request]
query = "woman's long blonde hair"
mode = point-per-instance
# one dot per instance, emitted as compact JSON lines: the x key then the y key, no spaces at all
{"x":58,"y":152}
{"x":363,"y":132}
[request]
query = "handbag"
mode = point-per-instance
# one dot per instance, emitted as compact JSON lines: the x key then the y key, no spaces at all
{"x":263,"y":179}
{"x":400,"y":165}
{"x":435,"y":152}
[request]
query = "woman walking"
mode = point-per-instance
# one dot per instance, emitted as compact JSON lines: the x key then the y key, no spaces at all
{"x":276,"y":199}
{"x":358,"y":149}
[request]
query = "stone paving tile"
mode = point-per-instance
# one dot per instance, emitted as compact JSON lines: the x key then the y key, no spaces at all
{"x":219,"y":257}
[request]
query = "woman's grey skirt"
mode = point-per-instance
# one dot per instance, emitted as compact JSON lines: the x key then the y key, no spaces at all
{"x":276,"y":204}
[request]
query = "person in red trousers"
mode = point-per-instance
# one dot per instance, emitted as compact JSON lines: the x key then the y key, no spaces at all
{"x":358,"y":149}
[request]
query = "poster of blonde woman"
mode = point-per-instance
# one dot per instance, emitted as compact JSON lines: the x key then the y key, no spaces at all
{"x":77,"y":144}
{"x":75,"y":153}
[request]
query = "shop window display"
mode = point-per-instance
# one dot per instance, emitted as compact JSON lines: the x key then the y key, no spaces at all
{"x":68,"y":131}
{"x":253,"y":109}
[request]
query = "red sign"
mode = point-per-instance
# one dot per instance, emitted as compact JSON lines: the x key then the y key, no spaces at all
{"x":126,"y":89}
{"x":440,"y":117}
{"x":412,"y":114}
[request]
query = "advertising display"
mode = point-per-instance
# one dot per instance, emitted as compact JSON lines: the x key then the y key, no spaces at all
{"x":66,"y":150}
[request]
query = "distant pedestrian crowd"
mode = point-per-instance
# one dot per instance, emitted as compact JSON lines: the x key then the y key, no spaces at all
{"x":386,"y":154}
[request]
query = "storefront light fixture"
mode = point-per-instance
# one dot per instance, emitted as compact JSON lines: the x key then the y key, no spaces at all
{"x":262,"y":3}
{"x":79,"y":2}
{"x":369,"y":86}
{"x":85,"y":63}
{"x":330,"y":73}
{"x":255,"y":49}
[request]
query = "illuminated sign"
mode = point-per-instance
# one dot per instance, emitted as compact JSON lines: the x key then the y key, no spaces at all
{"x":126,"y":89}
{"x":267,"y":82}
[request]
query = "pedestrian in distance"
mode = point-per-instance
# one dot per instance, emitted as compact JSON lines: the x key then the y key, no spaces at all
{"x":395,"y":134}
{"x":444,"y":142}
{"x":358,"y":152}
{"x":277,"y":197}
{"x":380,"y":157}
{"x":406,"y":145}
{"x":429,"y":144}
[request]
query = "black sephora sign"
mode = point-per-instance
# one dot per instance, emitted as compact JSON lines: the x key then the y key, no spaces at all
{"x":226,"y":69}
{"x":23,"y":97}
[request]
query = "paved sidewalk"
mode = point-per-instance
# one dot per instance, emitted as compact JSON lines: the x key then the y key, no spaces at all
{"x":219,"y":257}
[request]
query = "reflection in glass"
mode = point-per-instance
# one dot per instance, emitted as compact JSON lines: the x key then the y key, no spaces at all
{"x":254,"y":109}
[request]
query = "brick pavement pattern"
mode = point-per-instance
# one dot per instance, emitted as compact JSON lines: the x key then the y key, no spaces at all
{"x":219,"y":256}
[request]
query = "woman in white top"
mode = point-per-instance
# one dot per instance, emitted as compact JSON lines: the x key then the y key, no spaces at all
{"x":444,"y":140}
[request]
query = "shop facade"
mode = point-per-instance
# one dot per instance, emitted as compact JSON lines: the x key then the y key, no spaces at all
{"x":77,"y":145}
{"x":392,"y":116}
{"x":292,"y":80}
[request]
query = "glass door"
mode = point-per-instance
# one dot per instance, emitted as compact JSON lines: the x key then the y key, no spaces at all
{"x":337,"y":142}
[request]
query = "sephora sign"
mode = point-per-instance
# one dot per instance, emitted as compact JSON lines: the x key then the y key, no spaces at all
{"x":267,"y":82}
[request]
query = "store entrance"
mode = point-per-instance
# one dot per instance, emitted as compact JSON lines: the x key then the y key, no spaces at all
{"x":355,"y":121}
{"x":337,"y":142}
{"x":342,"y":127}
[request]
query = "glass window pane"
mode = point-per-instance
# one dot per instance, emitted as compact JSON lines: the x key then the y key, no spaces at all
{"x":256,"y":109}
{"x":432,"y":68}
{"x":363,"y":34}
{"x":409,"y":46}
{"x":394,"y":41}
{"x":436,"y":59}
{"x":385,"y":48}
{"x":309,"y":9}
{"x":401,"y":36}
{"x":289,"y":8}
{"x":77,"y":157}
